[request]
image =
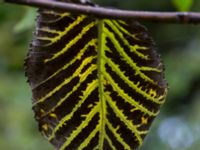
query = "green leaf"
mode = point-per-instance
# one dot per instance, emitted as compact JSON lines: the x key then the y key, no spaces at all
{"x":96,"y":83}
{"x":26,"y":22}
{"x":182,"y":5}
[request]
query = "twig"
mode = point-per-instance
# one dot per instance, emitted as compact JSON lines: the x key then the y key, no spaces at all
{"x":166,"y":17}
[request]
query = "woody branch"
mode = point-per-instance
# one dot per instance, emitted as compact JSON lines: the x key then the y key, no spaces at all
{"x":163,"y":17}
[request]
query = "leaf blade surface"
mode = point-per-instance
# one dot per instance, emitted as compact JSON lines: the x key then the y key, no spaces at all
{"x":96,"y":83}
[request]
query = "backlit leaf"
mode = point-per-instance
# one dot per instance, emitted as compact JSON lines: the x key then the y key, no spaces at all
{"x":96,"y":83}
{"x":183,"y":5}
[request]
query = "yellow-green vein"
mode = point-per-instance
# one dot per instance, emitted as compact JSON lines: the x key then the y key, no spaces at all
{"x":130,"y":83}
{"x":101,"y":69}
{"x":125,"y":57}
{"x":66,"y":81}
{"x":79,"y":56}
{"x":91,"y":87}
{"x":123,"y":118}
{"x":117,"y":135}
{"x":84,"y":76}
{"x":72,"y":42}
{"x":84,"y":124}
{"x":132,"y":48}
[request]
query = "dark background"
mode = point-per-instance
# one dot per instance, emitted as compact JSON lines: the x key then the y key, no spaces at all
{"x":178,"y":125}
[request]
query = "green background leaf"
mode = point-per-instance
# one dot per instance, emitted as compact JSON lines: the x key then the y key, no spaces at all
{"x":27,"y":21}
{"x":182,"y":5}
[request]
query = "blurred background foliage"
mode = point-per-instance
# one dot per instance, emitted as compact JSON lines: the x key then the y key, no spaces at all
{"x":178,"y":125}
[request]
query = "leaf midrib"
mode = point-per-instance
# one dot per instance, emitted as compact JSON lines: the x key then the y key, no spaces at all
{"x":101,"y":68}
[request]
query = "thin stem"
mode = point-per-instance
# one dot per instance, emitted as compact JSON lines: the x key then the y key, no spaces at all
{"x":165,"y":17}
